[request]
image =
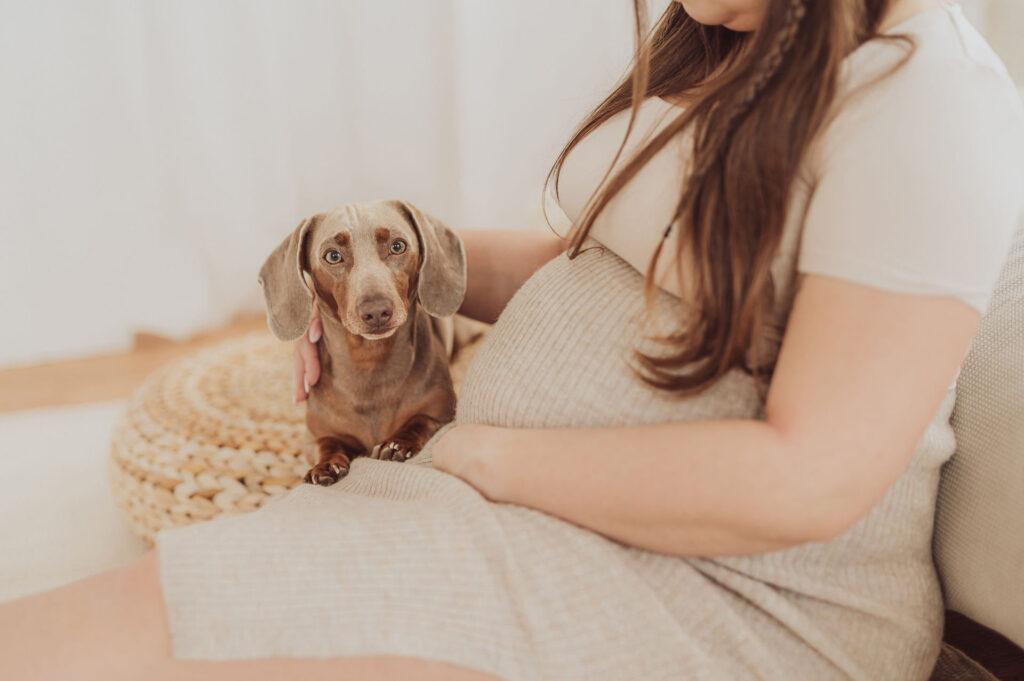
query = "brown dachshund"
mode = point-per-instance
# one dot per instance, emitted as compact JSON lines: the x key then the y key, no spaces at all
{"x":387,"y":280}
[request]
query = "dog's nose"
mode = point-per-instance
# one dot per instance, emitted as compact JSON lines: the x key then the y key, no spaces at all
{"x":376,"y":311}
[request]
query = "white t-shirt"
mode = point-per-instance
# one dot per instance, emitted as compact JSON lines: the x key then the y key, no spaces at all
{"x":917,"y":183}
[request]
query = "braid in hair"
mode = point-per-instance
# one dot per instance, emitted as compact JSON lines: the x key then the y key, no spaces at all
{"x":769,"y":66}
{"x":773,"y":59}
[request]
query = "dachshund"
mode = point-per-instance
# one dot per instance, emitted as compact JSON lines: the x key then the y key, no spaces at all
{"x":387,"y":280}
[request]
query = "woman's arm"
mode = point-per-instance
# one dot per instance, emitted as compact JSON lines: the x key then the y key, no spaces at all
{"x":498,"y":261}
{"x":861,"y":373}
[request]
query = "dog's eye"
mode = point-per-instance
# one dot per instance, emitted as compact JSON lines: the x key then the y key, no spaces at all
{"x":333,"y":257}
{"x":398,"y":247}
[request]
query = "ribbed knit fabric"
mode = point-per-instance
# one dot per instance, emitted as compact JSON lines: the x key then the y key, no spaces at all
{"x":402,"y":559}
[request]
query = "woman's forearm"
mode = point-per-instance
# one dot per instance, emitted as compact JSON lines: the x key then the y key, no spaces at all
{"x":702,"y":488}
{"x":498,"y":261}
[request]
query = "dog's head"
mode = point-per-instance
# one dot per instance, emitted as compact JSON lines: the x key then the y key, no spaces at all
{"x":368,"y":263}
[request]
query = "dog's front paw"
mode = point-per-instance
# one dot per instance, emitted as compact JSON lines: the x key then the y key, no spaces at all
{"x":392,"y":451}
{"x":326,"y":473}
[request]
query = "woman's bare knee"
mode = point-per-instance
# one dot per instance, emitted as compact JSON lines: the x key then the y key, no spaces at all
{"x":109,"y":626}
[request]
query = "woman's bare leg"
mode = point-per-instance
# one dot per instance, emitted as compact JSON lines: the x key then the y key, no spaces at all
{"x":112,"y":626}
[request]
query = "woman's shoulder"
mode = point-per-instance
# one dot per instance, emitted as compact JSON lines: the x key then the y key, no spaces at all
{"x":952,"y":86}
{"x":944,"y":40}
{"x":917,"y":177}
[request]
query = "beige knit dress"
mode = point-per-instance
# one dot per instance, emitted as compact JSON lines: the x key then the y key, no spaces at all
{"x":402,"y":559}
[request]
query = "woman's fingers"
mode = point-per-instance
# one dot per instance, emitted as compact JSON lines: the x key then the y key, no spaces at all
{"x":299,"y":393}
{"x":310,"y":355}
{"x":315,"y":325}
{"x":307,"y":367}
{"x":307,"y":358}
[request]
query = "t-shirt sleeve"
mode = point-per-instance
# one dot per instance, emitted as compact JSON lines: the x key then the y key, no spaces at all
{"x":920,"y":184}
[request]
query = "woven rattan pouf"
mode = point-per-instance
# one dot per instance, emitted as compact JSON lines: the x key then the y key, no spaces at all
{"x":214,"y":433}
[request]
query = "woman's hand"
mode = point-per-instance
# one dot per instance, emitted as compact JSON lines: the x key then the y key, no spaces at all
{"x":472,"y":451}
{"x":307,"y":358}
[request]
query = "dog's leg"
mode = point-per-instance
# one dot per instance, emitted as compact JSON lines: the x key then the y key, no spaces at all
{"x":336,"y":454}
{"x":408,"y":439}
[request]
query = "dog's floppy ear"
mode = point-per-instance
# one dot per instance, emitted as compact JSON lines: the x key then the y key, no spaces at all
{"x":288,"y":299}
{"x":442,"y":278}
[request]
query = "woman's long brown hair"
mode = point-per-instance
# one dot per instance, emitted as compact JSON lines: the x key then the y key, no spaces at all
{"x":758,"y":99}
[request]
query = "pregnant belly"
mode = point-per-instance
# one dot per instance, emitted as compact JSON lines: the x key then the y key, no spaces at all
{"x":561,"y":354}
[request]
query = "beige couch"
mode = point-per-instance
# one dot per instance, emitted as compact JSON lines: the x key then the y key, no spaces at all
{"x":979,"y":530}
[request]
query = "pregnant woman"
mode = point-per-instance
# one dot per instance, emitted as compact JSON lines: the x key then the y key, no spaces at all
{"x":703,"y":438}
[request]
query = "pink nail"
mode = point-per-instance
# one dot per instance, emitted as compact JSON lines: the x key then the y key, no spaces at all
{"x":314,"y":334}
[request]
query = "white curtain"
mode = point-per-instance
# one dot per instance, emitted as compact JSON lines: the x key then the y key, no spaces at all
{"x":152,"y":153}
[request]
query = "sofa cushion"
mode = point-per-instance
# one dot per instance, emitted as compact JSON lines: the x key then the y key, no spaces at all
{"x":979,"y":530}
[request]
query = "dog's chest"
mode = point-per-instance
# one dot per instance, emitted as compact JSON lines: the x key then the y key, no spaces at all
{"x":368,"y":410}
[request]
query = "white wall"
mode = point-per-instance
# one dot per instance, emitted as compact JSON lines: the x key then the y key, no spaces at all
{"x":154,"y":152}
{"x":1003,"y":24}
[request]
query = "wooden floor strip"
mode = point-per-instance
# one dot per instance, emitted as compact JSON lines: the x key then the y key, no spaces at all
{"x":106,"y":377}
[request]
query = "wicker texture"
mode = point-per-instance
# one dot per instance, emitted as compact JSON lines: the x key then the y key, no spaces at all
{"x":214,"y":433}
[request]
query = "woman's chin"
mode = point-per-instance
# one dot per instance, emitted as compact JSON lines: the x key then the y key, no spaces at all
{"x":711,"y":13}
{"x":743,"y":24}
